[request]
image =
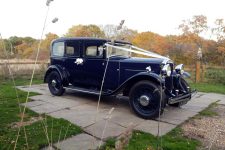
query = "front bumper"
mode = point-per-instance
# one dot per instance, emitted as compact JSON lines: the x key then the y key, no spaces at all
{"x":183,"y":98}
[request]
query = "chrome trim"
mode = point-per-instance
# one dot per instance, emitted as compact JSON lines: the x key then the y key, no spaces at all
{"x":180,"y":66}
{"x":135,"y":70}
{"x":144,"y":100}
{"x":166,"y":61}
{"x":79,"y":90}
{"x":167,"y":69}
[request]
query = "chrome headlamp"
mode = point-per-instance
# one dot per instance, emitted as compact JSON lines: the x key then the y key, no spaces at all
{"x":166,"y":70}
{"x":179,"y":69}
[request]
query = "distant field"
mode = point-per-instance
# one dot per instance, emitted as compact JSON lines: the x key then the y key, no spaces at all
{"x":21,"y":66}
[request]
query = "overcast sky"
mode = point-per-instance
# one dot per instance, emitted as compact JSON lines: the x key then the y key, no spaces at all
{"x":25,"y":17}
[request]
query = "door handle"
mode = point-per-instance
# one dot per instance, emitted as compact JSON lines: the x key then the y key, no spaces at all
{"x":79,"y":61}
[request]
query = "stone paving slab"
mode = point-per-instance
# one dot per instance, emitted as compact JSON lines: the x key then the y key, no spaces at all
{"x":33,"y":103}
{"x":111,"y":130}
{"x":40,"y":88}
{"x":125,"y":118}
{"x":79,"y":142}
{"x":80,"y":109}
{"x":151,"y":126}
{"x":83,"y":116}
{"x":176,"y":116}
{"x":59,"y":101}
{"x":47,"y":108}
{"x":214,"y":96}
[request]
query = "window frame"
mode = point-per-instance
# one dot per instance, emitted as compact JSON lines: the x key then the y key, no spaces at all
{"x":52,"y":49}
{"x":78,"y":45}
{"x":89,"y":44}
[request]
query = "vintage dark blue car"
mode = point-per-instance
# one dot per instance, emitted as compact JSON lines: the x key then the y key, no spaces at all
{"x":91,"y":64}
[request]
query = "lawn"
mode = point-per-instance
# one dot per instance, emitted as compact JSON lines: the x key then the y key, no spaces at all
{"x":174,"y":140}
{"x":209,"y":87}
{"x":40,"y":133}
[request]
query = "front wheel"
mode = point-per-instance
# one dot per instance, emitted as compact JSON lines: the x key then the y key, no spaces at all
{"x":145,"y":98}
{"x":55,"y":84}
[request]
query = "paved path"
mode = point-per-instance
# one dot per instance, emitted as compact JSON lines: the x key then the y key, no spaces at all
{"x":80,"y":109}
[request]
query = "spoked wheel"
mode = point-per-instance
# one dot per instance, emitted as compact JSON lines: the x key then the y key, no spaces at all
{"x":55,"y":84}
{"x":145,"y":99}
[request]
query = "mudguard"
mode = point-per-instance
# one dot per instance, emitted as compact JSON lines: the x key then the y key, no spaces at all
{"x":186,"y":75}
{"x":138,"y":77}
{"x":62,"y":72}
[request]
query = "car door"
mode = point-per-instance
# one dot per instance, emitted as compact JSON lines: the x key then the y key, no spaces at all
{"x":72,"y":54}
{"x":94,"y":63}
{"x":94,"y":66}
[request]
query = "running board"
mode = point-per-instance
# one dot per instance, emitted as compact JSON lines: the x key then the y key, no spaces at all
{"x":83,"y":90}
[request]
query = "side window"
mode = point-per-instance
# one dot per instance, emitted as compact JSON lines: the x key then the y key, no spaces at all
{"x":72,"y":48}
{"x":58,"y":49}
{"x":94,"y":51}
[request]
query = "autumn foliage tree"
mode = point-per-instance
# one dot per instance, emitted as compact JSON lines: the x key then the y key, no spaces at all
{"x":45,"y":47}
{"x":85,"y":31}
{"x":151,"y":41}
{"x":219,"y":32}
{"x":180,"y":48}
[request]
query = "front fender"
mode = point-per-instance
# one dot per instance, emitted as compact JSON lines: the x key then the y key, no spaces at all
{"x":153,"y":77}
{"x":186,"y":75}
{"x":62,"y":72}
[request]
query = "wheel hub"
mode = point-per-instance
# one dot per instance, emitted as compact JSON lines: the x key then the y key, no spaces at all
{"x":54,"y":83}
{"x":144,"y":100}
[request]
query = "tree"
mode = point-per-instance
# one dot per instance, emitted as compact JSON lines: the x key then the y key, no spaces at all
{"x":85,"y":31}
{"x":151,"y":41}
{"x":193,"y":28}
{"x":47,"y":41}
{"x":125,"y":33}
{"x":219,"y":32}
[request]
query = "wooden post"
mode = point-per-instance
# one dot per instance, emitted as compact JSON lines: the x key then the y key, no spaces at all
{"x":202,"y":72}
{"x":198,"y":66}
{"x":197,"y":71}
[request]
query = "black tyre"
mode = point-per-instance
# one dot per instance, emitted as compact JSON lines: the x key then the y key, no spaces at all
{"x":145,"y":98}
{"x":55,"y":84}
{"x":183,"y":86}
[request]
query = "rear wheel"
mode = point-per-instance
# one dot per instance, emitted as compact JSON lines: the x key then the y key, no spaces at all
{"x":55,"y":84}
{"x":145,"y":98}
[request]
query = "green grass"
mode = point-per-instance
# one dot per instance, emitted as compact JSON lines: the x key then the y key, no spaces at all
{"x":215,"y":75}
{"x":36,"y":136}
{"x":208,"y":112}
{"x":174,"y":140}
{"x":209,"y":88}
{"x":109,"y":144}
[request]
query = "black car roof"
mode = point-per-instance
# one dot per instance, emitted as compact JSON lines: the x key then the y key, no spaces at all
{"x":89,"y":39}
